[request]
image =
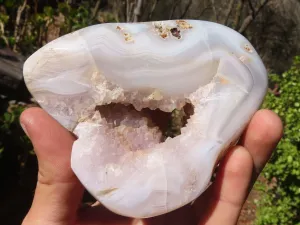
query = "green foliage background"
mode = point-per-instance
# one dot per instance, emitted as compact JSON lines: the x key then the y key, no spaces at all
{"x":31,"y":32}
{"x":280,"y":201}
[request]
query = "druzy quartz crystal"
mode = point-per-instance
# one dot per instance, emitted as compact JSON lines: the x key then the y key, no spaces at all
{"x":117,"y":87}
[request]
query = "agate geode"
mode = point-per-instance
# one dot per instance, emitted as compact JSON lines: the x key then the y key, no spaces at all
{"x":120,"y":87}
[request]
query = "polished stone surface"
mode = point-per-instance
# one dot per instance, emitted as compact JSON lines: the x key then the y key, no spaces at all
{"x":118,"y":157}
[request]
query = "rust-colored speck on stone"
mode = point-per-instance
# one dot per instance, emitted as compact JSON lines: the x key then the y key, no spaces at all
{"x":248,"y":48}
{"x":183,"y":24}
{"x":176,"y":32}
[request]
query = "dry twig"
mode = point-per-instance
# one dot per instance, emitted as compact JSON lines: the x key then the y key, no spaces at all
{"x":95,"y":9}
{"x":152,"y":9}
{"x":174,"y":6}
{"x":228,"y":12}
{"x":186,"y":9}
{"x":137,"y":10}
{"x":238,"y":14}
{"x":127,"y":10}
{"x":249,"y":19}
{"x":18,"y":18}
{"x":214,"y":10}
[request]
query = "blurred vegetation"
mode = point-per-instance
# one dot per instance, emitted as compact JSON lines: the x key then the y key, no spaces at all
{"x":18,"y":166}
{"x":281,"y":199}
{"x":10,"y":129}
{"x":26,"y":25}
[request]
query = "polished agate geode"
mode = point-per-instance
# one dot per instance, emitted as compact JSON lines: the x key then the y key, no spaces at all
{"x":116,"y":85}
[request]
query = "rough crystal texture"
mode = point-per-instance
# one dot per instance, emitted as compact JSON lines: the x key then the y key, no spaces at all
{"x":120,"y":156}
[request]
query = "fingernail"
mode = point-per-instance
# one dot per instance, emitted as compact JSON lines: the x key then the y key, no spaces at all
{"x":24,"y":129}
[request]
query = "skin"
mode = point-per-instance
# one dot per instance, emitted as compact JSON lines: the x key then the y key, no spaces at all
{"x":58,"y":194}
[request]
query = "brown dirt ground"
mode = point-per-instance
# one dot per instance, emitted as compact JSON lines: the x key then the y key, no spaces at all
{"x":248,"y":214}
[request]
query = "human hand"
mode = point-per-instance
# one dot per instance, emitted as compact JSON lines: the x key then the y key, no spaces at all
{"x":58,"y":192}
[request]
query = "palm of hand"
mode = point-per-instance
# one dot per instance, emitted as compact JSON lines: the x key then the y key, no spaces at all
{"x":58,"y":192}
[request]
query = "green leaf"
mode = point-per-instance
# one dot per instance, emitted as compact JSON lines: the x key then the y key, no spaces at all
{"x":279,"y":205}
{"x":48,"y":10}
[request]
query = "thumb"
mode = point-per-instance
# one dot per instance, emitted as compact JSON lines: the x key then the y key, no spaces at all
{"x":58,"y":191}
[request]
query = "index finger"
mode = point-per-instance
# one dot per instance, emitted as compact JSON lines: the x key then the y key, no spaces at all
{"x":261,"y":137}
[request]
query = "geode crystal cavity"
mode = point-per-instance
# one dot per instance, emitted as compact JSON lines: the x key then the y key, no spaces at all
{"x":124,"y":88}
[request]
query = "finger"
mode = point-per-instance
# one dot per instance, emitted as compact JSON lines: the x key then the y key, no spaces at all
{"x":58,"y":192}
{"x":261,"y":137}
{"x":223,"y":201}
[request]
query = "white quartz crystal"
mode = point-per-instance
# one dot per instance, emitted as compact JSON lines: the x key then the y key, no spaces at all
{"x":119,"y":157}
